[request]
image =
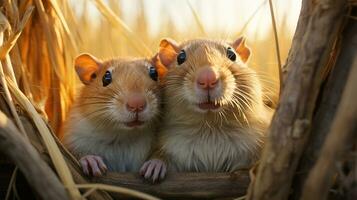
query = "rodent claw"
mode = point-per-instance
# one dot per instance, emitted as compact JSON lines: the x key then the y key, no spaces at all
{"x":101,"y":164}
{"x":149,"y":171}
{"x":163,"y":172}
{"x":143,"y":168}
{"x":93,"y":164}
{"x":84,"y":165}
{"x":153,"y":170}
{"x":157,"y":171}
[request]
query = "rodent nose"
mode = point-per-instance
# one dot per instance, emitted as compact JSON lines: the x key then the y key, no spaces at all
{"x":207,"y":79}
{"x":136,"y":103}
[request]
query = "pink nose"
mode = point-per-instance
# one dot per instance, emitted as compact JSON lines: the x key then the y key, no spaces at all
{"x":136,"y":103}
{"x":207,"y":79}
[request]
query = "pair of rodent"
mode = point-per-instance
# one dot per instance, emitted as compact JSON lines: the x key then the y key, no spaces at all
{"x":213,"y":118}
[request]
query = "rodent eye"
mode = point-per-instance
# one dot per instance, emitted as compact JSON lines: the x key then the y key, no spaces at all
{"x":231,"y":54}
{"x":107,"y":78}
{"x":181,"y":57}
{"x":153,"y":73}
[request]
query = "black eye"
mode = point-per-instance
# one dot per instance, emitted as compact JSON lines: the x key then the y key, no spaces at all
{"x":231,"y":54}
{"x":181,"y":57}
{"x":153,"y":73}
{"x":107,"y":78}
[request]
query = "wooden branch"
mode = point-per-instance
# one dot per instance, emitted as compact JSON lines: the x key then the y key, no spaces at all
{"x":184,"y":185}
{"x":295,"y":49}
{"x":342,"y":133}
{"x":327,"y":105}
{"x":289,"y":129}
{"x":43,"y":180}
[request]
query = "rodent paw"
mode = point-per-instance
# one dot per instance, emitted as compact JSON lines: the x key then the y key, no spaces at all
{"x":93,"y":165}
{"x":153,"y":170}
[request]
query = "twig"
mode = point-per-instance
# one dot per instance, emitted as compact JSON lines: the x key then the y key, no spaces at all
{"x":276,"y":44}
{"x":64,"y":24}
{"x":197,"y":18}
{"x":8,"y":97}
{"x":10,"y":43}
{"x":251,"y":17}
{"x":137,"y":43}
{"x":89,"y":192}
{"x":11,"y":183}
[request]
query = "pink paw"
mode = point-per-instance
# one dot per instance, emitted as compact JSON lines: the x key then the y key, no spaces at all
{"x":93,"y":165}
{"x":153,"y":170}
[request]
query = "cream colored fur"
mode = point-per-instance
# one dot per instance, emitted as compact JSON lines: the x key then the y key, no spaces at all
{"x":190,"y":143}
{"x":122,"y":151}
{"x":212,"y":141}
{"x":97,"y":122}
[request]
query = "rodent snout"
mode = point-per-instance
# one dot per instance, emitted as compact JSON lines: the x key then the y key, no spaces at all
{"x":136,"y":103}
{"x":207,"y":79}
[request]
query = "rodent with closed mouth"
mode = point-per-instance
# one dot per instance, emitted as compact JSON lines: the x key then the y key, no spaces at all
{"x":113,"y":121}
{"x":214,"y":115}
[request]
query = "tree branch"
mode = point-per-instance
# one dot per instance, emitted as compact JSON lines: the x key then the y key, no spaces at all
{"x":289,"y":129}
{"x":184,"y":185}
{"x":329,"y":99}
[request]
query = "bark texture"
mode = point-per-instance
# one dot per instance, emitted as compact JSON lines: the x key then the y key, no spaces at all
{"x":290,"y":126}
{"x":342,"y":131}
{"x":185,"y":185}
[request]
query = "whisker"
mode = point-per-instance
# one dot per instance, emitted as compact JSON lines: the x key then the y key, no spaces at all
{"x":90,"y":103}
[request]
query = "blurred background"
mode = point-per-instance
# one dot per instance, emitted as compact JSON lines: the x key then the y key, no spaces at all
{"x":151,"y":20}
{"x":58,"y":30}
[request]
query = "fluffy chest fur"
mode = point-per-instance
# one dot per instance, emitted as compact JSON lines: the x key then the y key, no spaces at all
{"x":121,"y":151}
{"x":211,"y":149}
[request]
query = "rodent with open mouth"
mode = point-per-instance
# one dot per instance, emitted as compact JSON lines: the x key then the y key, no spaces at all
{"x":214,"y":115}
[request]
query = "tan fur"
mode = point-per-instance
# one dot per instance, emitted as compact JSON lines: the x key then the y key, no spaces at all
{"x":194,"y":140}
{"x":96,"y":123}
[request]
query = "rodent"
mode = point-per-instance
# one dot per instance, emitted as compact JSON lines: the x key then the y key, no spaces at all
{"x":214,"y":115}
{"x":113,"y":121}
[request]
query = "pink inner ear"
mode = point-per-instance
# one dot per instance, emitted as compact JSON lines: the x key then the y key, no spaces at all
{"x":168,"y":51}
{"x":87,"y":67}
{"x":87,"y":73}
{"x":242,"y":49}
{"x":167,"y":57}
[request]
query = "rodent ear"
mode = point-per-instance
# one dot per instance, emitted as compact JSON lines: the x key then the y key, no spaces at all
{"x":87,"y":67}
{"x":168,"y":51}
{"x":160,"y":68}
{"x":242,"y":49}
